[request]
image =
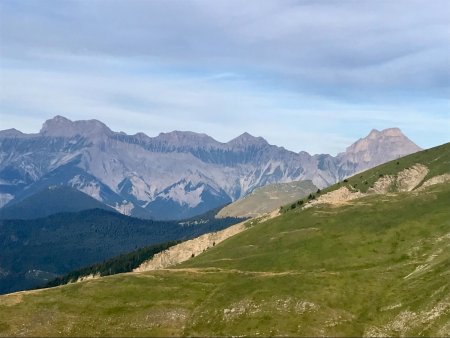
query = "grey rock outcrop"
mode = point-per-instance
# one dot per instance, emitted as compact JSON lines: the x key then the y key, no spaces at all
{"x":173,"y":175}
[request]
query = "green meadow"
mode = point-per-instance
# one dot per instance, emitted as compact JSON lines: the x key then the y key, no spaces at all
{"x":379,"y":265}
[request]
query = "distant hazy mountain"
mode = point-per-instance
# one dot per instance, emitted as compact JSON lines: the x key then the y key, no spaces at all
{"x":174,"y":175}
{"x":51,"y":201}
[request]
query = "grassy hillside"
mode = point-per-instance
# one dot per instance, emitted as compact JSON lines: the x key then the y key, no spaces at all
{"x":379,"y":265}
{"x":267,"y":199}
{"x":436,"y":159}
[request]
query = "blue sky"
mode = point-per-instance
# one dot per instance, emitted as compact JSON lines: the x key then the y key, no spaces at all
{"x":306,"y":75}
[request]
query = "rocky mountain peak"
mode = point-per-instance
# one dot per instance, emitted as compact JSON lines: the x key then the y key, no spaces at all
{"x":13,"y":132}
{"x":378,"y":147}
{"x":393,"y":132}
{"x":246,"y":139}
{"x":389,"y":132}
{"x":175,"y":174}
{"x":52,"y":125}
{"x":59,"y":126}
{"x":374,"y":133}
{"x":186,"y":138}
{"x":386,"y":136}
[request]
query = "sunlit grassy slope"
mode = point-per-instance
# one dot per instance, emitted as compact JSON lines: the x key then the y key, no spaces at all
{"x":377,"y":266}
{"x":267,"y":199}
{"x":436,"y":159}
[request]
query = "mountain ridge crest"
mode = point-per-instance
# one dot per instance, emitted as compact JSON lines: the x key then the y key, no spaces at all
{"x":177,"y":174}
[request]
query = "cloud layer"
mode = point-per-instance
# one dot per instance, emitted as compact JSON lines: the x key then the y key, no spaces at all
{"x":307,"y":75}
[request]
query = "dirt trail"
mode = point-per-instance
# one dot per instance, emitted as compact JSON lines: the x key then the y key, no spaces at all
{"x":11,"y":299}
{"x":244,"y":272}
{"x":186,"y":250}
{"x":16,"y":297}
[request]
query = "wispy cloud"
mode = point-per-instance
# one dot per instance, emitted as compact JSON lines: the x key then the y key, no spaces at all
{"x":300,"y":73}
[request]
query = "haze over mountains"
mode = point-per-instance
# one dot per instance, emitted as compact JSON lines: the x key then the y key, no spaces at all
{"x":174,"y":175}
{"x":51,"y":201}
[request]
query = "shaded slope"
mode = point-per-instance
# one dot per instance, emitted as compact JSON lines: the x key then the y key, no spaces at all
{"x":35,"y":251}
{"x":51,"y":201}
{"x":71,"y":175}
{"x":119,"y":264}
{"x":131,"y":260}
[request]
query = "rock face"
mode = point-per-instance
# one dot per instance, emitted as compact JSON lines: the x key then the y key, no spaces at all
{"x":406,"y":180}
{"x":182,"y":252}
{"x":378,"y":147}
{"x":174,"y":175}
{"x":188,"y":249}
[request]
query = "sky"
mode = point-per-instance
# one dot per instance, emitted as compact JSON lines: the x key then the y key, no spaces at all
{"x":305,"y":75}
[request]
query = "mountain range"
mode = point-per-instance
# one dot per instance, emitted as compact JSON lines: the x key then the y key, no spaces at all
{"x":174,"y":175}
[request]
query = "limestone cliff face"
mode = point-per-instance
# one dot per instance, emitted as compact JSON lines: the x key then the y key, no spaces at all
{"x":377,"y":148}
{"x":173,"y":175}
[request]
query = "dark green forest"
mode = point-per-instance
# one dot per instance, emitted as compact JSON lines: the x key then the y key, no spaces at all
{"x":122,"y":263}
{"x":33,"y":252}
